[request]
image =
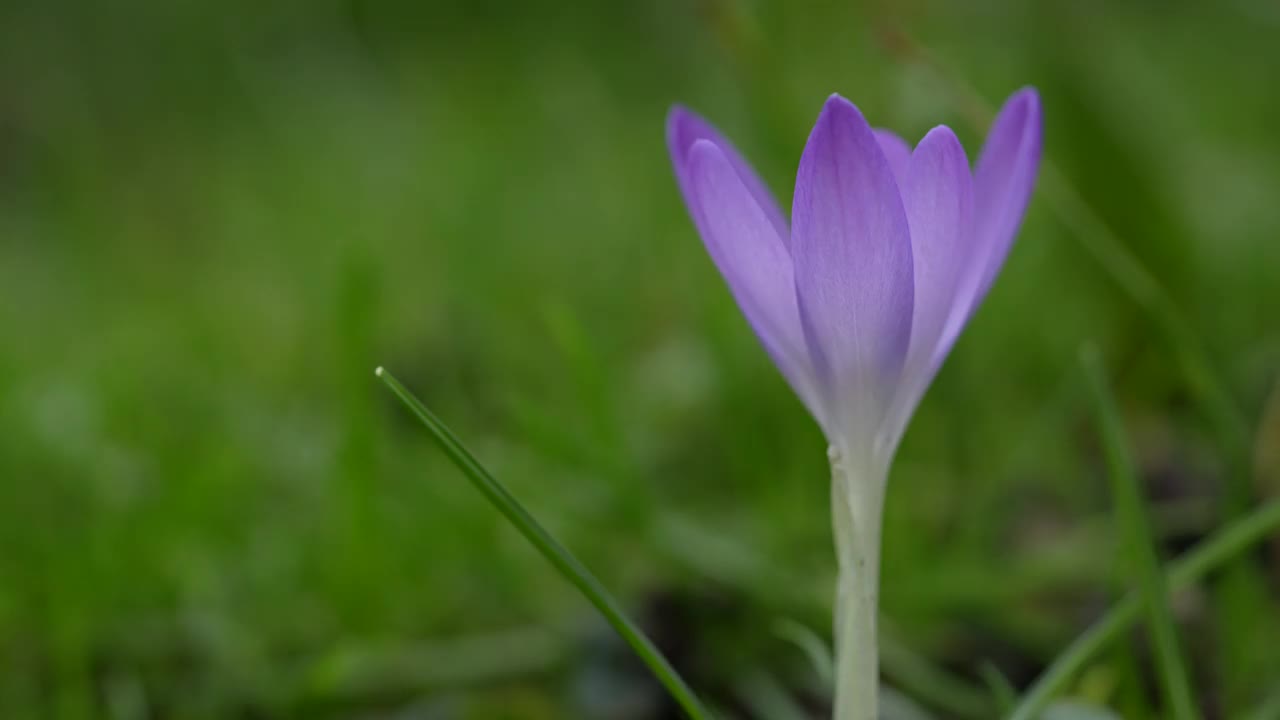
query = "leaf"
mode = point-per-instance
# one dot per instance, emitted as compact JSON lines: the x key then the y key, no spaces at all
{"x":564,"y":561}
{"x":1127,"y":493}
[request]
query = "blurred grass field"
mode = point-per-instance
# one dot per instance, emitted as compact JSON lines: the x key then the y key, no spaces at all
{"x":217,"y":218}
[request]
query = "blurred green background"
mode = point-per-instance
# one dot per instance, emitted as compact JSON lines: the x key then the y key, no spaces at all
{"x":217,"y":218}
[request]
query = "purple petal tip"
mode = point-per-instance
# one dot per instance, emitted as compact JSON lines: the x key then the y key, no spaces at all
{"x":1027,"y":101}
{"x":677,"y":116}
{"x":838,"y":115}
{"x":938,"y":132}
{"x":1028,"y":93}
{"x":837,"y":103}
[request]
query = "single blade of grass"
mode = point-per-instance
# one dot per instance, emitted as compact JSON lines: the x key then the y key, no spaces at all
{"x":564,"y":561}
{"x":767,"y":698}
{"x":1005,"y":694}
{"x":930,"y":684}
{"x":1210,"y":554}
{"x":1126,"y":493}
{"x":813,"y":647}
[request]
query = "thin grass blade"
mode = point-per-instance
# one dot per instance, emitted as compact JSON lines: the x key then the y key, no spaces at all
{"x":814,"y":648}
{"x":564,"y":561}
{"x":1137,"y":539}
{"x":1006,"y":696}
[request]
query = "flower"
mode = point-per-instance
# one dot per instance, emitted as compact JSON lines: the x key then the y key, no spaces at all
{"x":889,"y":252}
{"x":859,"y":299}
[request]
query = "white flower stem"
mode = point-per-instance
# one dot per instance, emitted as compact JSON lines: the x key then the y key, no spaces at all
{"x":857,"y":493}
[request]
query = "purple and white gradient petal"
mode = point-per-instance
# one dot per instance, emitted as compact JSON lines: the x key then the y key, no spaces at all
{"x":888,"y":254}
{"x":746,"y":235}
{"x":851,"y":249}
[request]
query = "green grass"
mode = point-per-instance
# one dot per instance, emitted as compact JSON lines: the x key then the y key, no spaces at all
{"x":1136,"y":538}
{"x":564,"y":561}
{"x":216,"y":217}
{"x":1223,"y":547}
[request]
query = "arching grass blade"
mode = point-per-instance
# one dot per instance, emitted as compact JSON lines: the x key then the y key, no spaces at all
{"x":564,"y":561}
{"x":1137,"y":539}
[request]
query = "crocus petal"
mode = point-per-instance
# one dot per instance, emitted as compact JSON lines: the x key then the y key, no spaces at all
{"x":684,"y":128}
{"x":897,"y":151}
{"x":1003,"y":181}
{"x":1005,"y":177}
{"x":937,"y":193}
{"x":852,"y":252}
{"x":752,"y":259}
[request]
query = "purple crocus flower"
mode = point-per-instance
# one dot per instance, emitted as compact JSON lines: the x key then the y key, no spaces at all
{"x":860,"y":298}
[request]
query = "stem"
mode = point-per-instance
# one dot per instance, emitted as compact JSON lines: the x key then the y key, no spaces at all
{"x":856,"y":502}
